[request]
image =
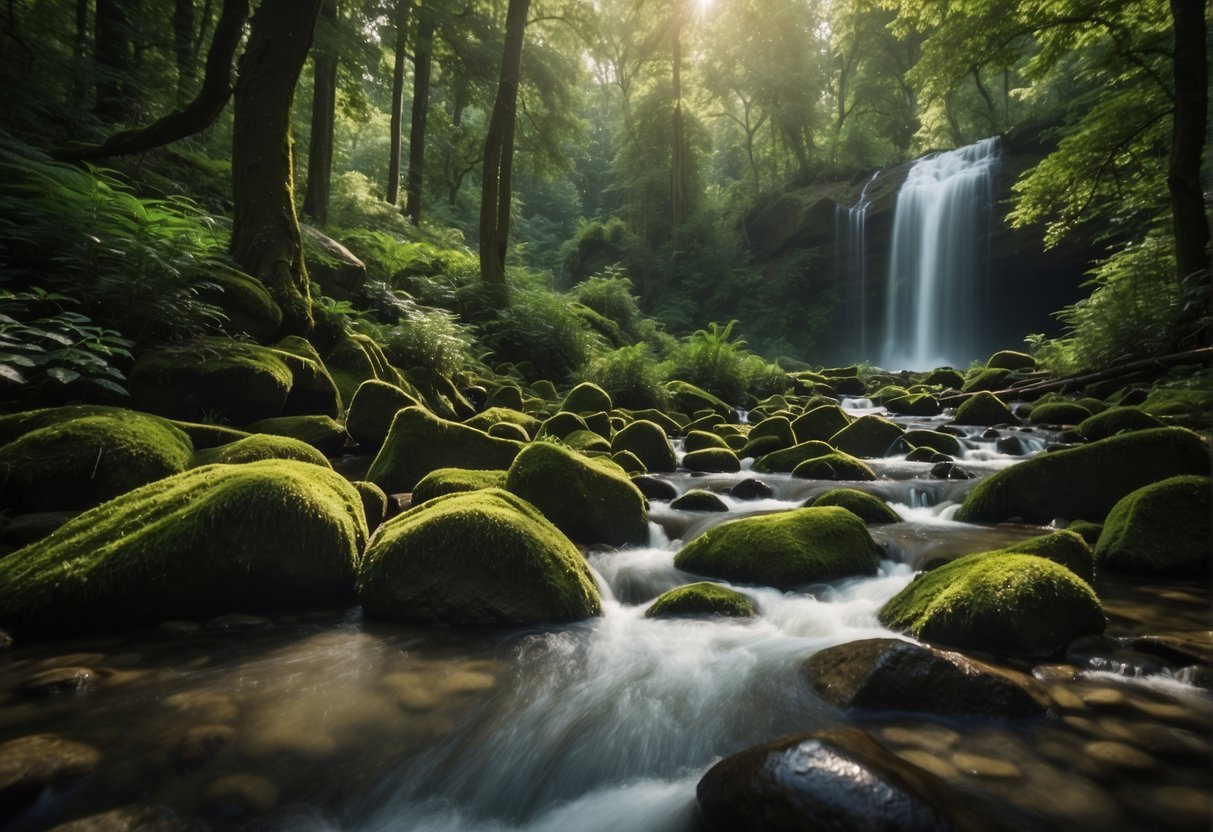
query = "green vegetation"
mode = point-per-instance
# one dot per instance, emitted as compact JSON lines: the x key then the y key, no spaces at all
{"x":261,"y":446}
{"x":702,"y":599}
{"x":419,"y":442}
{"x":1162,"y":528}
{"x":866,"y":507}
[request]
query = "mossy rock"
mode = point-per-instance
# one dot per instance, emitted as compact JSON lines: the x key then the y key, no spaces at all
{"x":78,"y":457}
{"x":587,"y":440}
{"x":648,"y":441}
{"x":654,"y":488}
{"x":496,"y":415}
{"x":590,"y":500}
{"x":927,"y":455}
{"x":374,"y":503}
{"x":1087,"y":530}
{"x":737,"y":442}
{"x":358,"y":359}
{"x":699,"y":499}
{"x":372,"y":408}
{"x":704,"y":423}
{"x":485,"y":558}
{"x":445,"y":481}
{"x":599,"y":423}
{"x":1113,"y":421}
{"x":561,"y":425}
{"x":698,"y":440}
{"x":835,"y":466}
{"x":211,"y":379}
{"x":269,"y":535}
{"x":208,"y":436}
{"x":712,"y":461}
{"x":868,"y":437}
{"x":866,"y":507}
{"x":914,"y":404}
{"x":260,"y":446}
{"x":508,"y":396}
{"x":944,"y":443}
{"x":988,"y":379}
{"x":1011,"y":360}
{"x":419,"y":442}
{"x":1058,"y":413}
{"x":313,"y":390}
{"x":689,"y":398}
{"x":757,"y":448}
{"x":945,"y":377}
{"x":670,"y":425}
{"x":786,"y":460}
{"x":1092,"y":404}
{"x":629,"y":462}
{"x":1004,"y":603}
{"x":321,"y":432}
{"x":778,"y":427}
{"x":245,"y":301}
{"x":545,"y":390}
{"x":701,"y":600}
{"x":508,"y":430}
{"x":1062,"y":547}
{"x":587,"y":398}
{"x":1188,"y":408}
{"x":784,"y":550}
{"x":1086,"y":481}
{"x":1160,"y":529}
{"x":984,"y":410}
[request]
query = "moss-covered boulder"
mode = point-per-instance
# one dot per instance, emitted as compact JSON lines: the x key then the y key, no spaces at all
{"x":244,"y":300}
{"x":1115,"y":420}
{"x":647,"y":440}
{"x":778,"y":427}
{"x":988,"y":379}
{"x":1005,"y":603}
{"x":419,"y":442}
{"x":587,"y":398}
{"x":1179,"y":406}
{"x":1161,"y":529}
{"x":1063,"y":547}
{"x":784,"y":550}
{"x":1011,"y":360}
{"x":508,"y":430}
{"x":944,"y":443}
{"x":372,"y":408}
{"x":945,"y":377}
{"x":590,"y":500}
{"x":835,"y":467}
{"x":698,"y":440}
{"x":914,"y":404}
{"x":654,"y":488}
{"x":705,"y":422}
{"x":208,"y":436}
{"x":701,"y":600}
{"x":984,"y":410}
{"x":313,"y":390}
{"x":225,"y":538}
{"x":712,"y":461}
{"x":866,"y":507}
{"x":688,"y":398}
{"x":756,"y":448}
{"x":486,"y":558}
{"x":561,"y":424}
{"x":258,"y":446}
{"x":66,"y":458}
{"x":629,"y":462}
{"x":699,"y":499}
{"x":321,"y":432}
{"x":508,"y":396}
{"x":587,"y":440}
{"x":868,"y":437}
{"x":454,"y":481}
{"x":357,"y":358}
{"x":820,"y":423}
{"x":211,"y":379}
{"x":374,"y":502}
{"x":496,"y":415}
{"x":1058,"y":413}
{"x":670,"y":425}
{"x":1084,"y":482}
{"x":927,"y":455}
{"x":786,"y":460}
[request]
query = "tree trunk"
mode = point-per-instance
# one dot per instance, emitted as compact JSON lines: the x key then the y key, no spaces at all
{"x":423,"y":55}
{"x":499,"y":153}
{"x":678,"y":173}
{"x":1191,"y":73}
{"x":112,"y":57}
{"x":183,"y":48}
{"x":324,"y":106}
{"x":79,"y":55}
{"x":401,"y":42}
{"x":265,"y":230}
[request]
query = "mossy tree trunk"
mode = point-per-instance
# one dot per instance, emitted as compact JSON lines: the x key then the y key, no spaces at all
{"x":324,"y":108}
{"x":423,"y":57}
{"x":265,"y":229}
{"x":499,"y":154}
{"x":401,"y":22}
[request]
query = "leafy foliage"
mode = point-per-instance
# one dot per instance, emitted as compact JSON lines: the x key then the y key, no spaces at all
{"x":632,"y":375}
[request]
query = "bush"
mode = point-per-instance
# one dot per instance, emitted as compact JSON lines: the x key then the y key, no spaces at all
{"x":610,"y":295}
{"x":420,"y":336}
{"x":540,"y":327}
{"x":712,"y":359}
{"x":631,"y":376}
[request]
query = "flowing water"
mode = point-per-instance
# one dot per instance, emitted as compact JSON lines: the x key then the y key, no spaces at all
{"x":328,"y":722}
{"x":855,"y":295}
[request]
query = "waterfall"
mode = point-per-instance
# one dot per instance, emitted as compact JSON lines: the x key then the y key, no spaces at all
{"x":939,"y":258}
{"x":854,"y":294}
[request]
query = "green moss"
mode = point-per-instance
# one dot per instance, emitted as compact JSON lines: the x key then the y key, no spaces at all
{"x":220,"y":539}
{"x":599,"y":423}
{"x":989,"y":379}
{"x":1189,"y":408}
{"x":419,"y":442}
{"x":485,"y":558}
{"x":1084,"y":482}
{"x":78,"y":457}
{"x":372,"y":408}
{"x":259,"y":446}
{"x":984,"y":410}
{"x":945,"y":377}
{"x":244,"y":299}
{"x":703,"y":423}
{"x":321,"y":432}
{"x":1087,"y":530}
{"x":866,"y":507}
{"x":508,"y":396}
{"x":927,"y":455}
{"x":758,"y":447}
{"x":697,"y":440}
{"x":545,"y":390}
{"x":702,"y":599}
{"x":561,"y":425}
{"x":208,"y":436}
{"x":508,"y":430}
{"x":784,"y":550}
{"x":834,"y":466}
{"x":590,"y":500}
{"x":1162,"y":528}
{"x":869,"y":437}
{"x":1013,"y":604}
{"x":689,"y":398}
{"x":313,"y":390}
{"x":1058,"y":413}
{"x":914,"y":404}
{"x":668,"y":424}
{"x":629,"y":462}
{"x":210,"y":379}
{"x":1092,"y":404}
{"x":778,"y":427}
{"x":374,"y":503}
{"x":496,"y":415}
{"x":699,"y":499}
{"x":648,"y":442}
{"x":786,"y":460}
{"x":587,"y":440}
{"x":1113,"y":421}
{"x":1065,"y":548}
{"x":587,"y":398}
{"x":1011,"y":360}
{"x":454,"y":481}
{"x":712,"y":460}
{"x":945,"y":443}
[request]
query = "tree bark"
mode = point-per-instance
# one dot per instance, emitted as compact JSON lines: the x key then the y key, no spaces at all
{"x":401,"y":42}
{"x":183,"y":48}
{"x":324,"y":107}
{"x":423,"y":56}
{"x":499,"y":154}
{"x":1191,"y":73}
{"x":79,"y":55}
{"x":265,"y":229}
{"x":112,"y":57}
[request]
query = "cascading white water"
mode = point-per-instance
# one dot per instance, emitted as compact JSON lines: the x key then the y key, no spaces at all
{"x":938,"y":258}
{"x":855,"y":293}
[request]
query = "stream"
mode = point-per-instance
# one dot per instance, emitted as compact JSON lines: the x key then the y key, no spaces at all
{"x":328,"y":722}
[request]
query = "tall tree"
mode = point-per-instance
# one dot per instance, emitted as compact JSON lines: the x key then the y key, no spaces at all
{"x":499,"y":153}
{"x":400,"y":26}
{"x":678,"y":167}
{"x":183,"y":49}
{"x":112,"y":53}
{"x":1189,"y":119}
{"x":324,"y":110}
{"x":423,"y":56}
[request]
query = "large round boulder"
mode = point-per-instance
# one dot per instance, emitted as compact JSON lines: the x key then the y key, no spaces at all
{"x":259,"y":446}
{"x":1115,"y":420}
{"x":487,"y":419}
{"x":587,"y":398}
{"x":323,"y":433}
{"x":1000,"y":602}
{"x":648,"y":441}
{"x":1163,"y":528}
{"x":453,"y":481}
{"x":835,"y":467}
{"x":868,"y":437}
{"x":486,"y":558}
{"x":219,"y":539}
{"x":784,"y":550}
{"x":785,"y":461}
{"x":820,"y":423}
{"x":865,"y":506}
{"x":701,"y":600}
{"x":984,"y":410}
{"x":373,"y":407}
{"x":590,"y":500}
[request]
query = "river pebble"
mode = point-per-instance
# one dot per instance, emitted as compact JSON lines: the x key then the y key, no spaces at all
{"x":59,"y":680}
{"x":239,"y":794}
{"x":990,"y":768}
{"x":203,"y":705}
{"x":1104,"y":698}
{"x":1119,"y":755}
{"x":1183,"y":804}
{"x":927,"y":737}
{"x":30,"y":764}
{"x":1066,"y":699}
{"x":201,"y":743}
{"x":932,"y":762}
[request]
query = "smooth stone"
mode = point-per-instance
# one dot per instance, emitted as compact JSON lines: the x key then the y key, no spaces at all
{"x":1119,"y":755}
{"x":60,"y":680}
{"x":1187,"y":804}
{"x":1055,"y":672}
{"x":697,"y":499}
{"x":134,"y":818}
{"x":1104,"y":698}
{"x":934,"y":738}
{"x":239,"y":794}
{"x":204,"y":705}
{"x":932,"y":762}
{"x":655,"y":488}
{"x":988,"y":768}
{"x":752,"y":489}
{"x":1066,"y":699}
{"x":30,"y":764}
{"x":468,"y":681}
{"x":1083,"y":724}
{"x":202,"y":742}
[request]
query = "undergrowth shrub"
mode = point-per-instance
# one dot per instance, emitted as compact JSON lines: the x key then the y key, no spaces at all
{"x":538,"y":326}
{"x":632,"y":375}
{"x":610,"y":295}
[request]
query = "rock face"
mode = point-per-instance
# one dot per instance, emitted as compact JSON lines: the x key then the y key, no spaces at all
{"x":212,"y":540}
{"x":838,"y":780}
{"x":419,"y":442}
{"x":1084,"y":482}
{"x":1162,"y":528}
{"x":884,"y":674}
{"x":486,"y":558}
{"x":784,"y":550}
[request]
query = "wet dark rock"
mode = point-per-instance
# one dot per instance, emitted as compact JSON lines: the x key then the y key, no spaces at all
{"x":59,"y":680}
{"x":1174,"y":650}
{"x":752,"y":489}
{"x":1082,"y":649}
{"x":26,"y":528}
{"x":133,"y":818}
{"x":30,"y":764}
{"x":949,"y":471}
{"x":835,"y":780}
{"x":893,"y":675}
{"x":1011,"y":445}
{"x":202,"y":742}
{"x":237,"y":622}
{"x":990,"y":433}
{"x":698,"y":499}
{"x":476,"y":395}
{"x":654,"y":488}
